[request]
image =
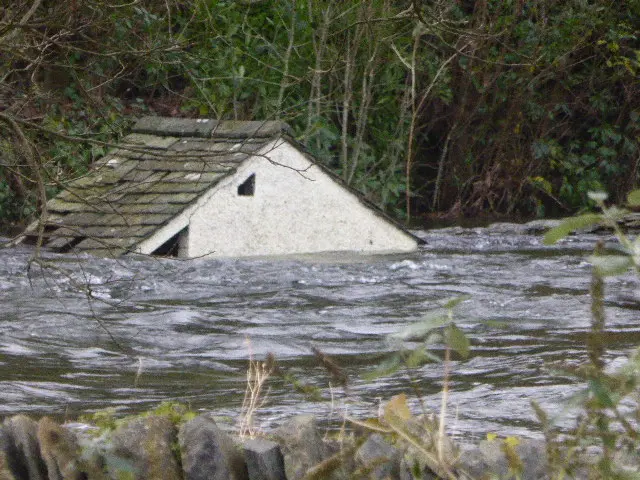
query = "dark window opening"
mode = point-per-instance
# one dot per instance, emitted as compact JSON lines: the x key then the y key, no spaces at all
{"x":171,"y":248}
{"x":248,"y":187}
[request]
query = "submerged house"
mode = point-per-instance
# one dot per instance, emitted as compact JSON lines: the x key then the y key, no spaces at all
{"x":193,"y":188}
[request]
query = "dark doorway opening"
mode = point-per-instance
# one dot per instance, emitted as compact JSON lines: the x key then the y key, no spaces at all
{"x":172,"y":247}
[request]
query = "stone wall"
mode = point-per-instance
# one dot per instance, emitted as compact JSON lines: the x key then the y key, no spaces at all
{"x":153,"y":447}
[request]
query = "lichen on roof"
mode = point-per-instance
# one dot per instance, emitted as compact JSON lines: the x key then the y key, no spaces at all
{"x":154,"y":173}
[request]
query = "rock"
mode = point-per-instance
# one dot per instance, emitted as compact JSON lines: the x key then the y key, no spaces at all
{"x":377,"y":458}
{"x":22,"y":450}
{"x":60,"y":451}
{"x":506,"y":228}
{"x":627,"y":462}
{"x":5,"y":456}
{"x":7,"y":453}
{"x":208,"y":453}
{"x":264,"y":460}
{"x":96,"y":452}
{"x":146,"y":446}
{"x":416,"y":464}
{"x":631,"y":221}
{"x":540,"y":226}
{"x":534,"y":227}
{"x":489,"y":459}
{"x":472,"y":463}
{"x":5,"y":473}
{"x":301,"y":444}
{"x":413,"y":468}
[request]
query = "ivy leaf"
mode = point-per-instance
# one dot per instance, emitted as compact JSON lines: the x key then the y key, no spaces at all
{"x":457,"y":340}
{"x":571,"y":225}
{"x":633,"y":199}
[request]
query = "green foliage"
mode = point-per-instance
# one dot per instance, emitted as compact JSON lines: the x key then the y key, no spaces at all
{"x":540,"y":100}
{"x":436,"y":327}
{"x":633,"y":199}
{"x":428,"y":450}
{"x":107,"y":420}
{"x":609,"y":402}
{"x":176,"y":412}
{"x":456,"y":340}
{"x":610,"y":264}
{"x":571,"y":225}
{"x":290,"y":61}
{"x":507,"y":107}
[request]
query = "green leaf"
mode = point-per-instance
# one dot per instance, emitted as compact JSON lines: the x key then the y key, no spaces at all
{"x":456,"y":301}
{"x":457,"y":340}
{"x":601,"y":393}
{"x":607,"y":265}
{"x":633,"y":199}
{"x":571,"y":225}
{"x":419,"y":357}
{"x":387,"y":367}
{"x":421,"y":330}
{"x":416,"y":358}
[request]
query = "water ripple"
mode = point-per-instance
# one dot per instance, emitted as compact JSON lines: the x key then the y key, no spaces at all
{"x":96,"y":332}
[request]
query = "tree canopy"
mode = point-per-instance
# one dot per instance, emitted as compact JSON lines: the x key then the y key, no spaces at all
{"x":458,"y":107}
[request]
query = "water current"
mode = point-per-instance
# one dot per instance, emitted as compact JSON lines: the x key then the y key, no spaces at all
{"x":86,"y":333}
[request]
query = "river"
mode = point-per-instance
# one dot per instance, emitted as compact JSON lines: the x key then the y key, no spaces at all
{"x":84,"y":333}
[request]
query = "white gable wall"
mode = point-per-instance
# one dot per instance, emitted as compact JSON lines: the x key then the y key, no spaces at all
{"x":296,"y":208}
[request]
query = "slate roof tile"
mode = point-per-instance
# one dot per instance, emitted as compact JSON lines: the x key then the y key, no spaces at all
{"x":151,"y":176}
{"x":166,"y":208}
{"x":62,"y":206}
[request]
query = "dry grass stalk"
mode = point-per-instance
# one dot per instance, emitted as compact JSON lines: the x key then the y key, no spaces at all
{"x":254,"y":396}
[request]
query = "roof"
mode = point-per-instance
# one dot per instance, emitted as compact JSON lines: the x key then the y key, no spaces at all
{"x":154,"y":174}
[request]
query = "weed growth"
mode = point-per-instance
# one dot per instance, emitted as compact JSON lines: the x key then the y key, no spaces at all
{"x":610,"y":401}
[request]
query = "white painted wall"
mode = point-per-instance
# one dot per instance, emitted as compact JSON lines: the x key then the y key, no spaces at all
{"x":296,"y":208}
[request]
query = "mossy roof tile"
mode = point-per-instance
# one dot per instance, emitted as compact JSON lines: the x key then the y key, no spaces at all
{"x":107,"y":242}
{"x":62,"y":206}
{"x":156,"y":171}
{"x":166,"y":208}
{"x":117,"y":219}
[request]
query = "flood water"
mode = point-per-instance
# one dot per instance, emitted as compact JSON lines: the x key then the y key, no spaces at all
{"x":85,"y":333}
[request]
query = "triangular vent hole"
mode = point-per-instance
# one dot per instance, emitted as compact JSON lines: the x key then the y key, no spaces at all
{"x":248,"y":187}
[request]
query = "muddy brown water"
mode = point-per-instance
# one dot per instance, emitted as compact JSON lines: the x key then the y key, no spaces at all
{"x":85,"y":333}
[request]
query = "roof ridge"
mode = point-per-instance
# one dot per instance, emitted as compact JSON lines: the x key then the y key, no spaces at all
{"x":210,"y":128}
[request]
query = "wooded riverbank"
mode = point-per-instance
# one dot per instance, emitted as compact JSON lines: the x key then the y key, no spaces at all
{"x":448,"y":107}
